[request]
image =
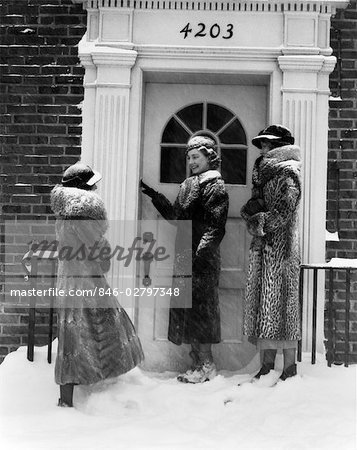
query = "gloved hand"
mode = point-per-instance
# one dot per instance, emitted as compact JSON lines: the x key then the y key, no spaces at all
{"x":147,"y":190}
{"x":254,"y":206}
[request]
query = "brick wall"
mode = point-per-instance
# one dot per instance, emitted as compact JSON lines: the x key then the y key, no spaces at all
{"x":342,"y":180}
{"x":41,"y":88}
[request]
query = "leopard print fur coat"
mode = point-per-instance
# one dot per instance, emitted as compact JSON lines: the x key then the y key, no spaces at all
{"x":271,"y":300}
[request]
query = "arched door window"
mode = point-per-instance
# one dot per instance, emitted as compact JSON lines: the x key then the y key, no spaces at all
{"x":221,"y":124}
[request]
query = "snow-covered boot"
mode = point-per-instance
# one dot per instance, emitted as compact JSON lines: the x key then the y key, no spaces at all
{"x":209,"y":371}
{"x":63,"y":404}
{"x":206,"y":372}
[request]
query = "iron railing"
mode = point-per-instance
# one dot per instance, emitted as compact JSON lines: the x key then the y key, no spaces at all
{"x":30,"y":263}
{"x":331,"y":332}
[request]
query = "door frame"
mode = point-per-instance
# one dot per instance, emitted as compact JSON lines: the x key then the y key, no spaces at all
{"x":143,"y":75}
{"x":248,"y":102}
{"x":298,"y":98}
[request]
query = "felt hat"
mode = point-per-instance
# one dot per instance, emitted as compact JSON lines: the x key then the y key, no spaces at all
{"x":274,"y":133}
{"x":80,"y":174}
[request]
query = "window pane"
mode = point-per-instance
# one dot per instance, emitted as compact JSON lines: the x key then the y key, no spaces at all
{"x":174,"y":133}
{"x":234,"y":134}
{"x":173,"y":165}
{"x":217,"y":117}
{"x":234,"y":165}
{"x":192,"y":116}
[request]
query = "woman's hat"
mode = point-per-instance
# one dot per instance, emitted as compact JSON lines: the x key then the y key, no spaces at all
{"x":80,"y":174}
{"x":200,"y":141}
{"x":274,"y":133}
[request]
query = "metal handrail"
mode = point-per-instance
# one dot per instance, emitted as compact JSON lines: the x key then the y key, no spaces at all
{"x":30,"y":266}
{"x":330,"y":338}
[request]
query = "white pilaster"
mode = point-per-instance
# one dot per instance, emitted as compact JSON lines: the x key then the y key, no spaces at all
{"x":305,"y":111}
{"x":88,"y":106}
{"x":105,"y":140}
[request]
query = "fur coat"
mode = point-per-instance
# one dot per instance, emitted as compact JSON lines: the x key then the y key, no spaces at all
{"x":202,"y":200}
{"x":96,"y":339}
{"x":272,"y":301}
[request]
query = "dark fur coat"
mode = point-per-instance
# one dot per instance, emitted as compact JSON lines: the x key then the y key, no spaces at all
{"x":203,"y":200}
{"x":96,"y":339}
{"x":272,"y":304}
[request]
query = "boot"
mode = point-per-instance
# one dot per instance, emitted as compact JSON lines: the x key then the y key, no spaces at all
{"x":63,"y":404}
{"x":268,"y":362}
{"x":264,"y":370}
{"x":289,"y":372}
{"x":195,"y":356}
{"x":289,"y":364}
{"x":66,"y":398}
{"x":205,"y":368}
{"x":206,"y":372}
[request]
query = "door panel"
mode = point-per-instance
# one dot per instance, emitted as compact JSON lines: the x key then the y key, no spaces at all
{"x":162,"y":101}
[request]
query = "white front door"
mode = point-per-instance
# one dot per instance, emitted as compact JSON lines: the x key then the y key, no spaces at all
{"x":232,"y":115}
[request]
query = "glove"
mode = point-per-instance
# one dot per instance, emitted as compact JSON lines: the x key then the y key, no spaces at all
{"x":254,"y":206}
{"x":147,"y":190}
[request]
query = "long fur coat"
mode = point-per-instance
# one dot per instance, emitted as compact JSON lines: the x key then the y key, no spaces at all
{"x":203,"y":200}
{"x":96,"y":339}
{"x":271,"y":303}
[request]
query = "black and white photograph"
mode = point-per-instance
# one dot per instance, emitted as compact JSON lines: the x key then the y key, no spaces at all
{"x":178,"y":228}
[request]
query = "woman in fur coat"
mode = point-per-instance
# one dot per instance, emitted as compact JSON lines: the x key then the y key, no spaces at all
{"x":272,"y":313}
{"x":202,"y":199}
{"x":96,"y":339}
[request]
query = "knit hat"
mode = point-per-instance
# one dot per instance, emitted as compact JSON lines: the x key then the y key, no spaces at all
{"x":200,"y":141}
{"x":274,"y":133}
{"x":80,"y":174}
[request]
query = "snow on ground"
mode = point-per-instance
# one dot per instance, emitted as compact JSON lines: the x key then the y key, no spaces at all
{"x":141,"y":410}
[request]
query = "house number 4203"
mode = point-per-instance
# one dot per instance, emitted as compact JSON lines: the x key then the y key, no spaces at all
{"x":226,"y":32}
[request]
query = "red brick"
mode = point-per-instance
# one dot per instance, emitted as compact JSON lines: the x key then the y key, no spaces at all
{"x":65,"y":140}
{"x":33,"y":140}
{"x":51,"y":129}
{"x":16,"y":209}
{"x":9,"y":319}
{"x":10,"y":340}
{"x":11,"y":79}
{"x":28,"y":118}
{"x":341,"y":123}
{"x":14,"y":329}
{"x":35,"y":160}
{"x":38,"y":79}
{"x":54,"y":9}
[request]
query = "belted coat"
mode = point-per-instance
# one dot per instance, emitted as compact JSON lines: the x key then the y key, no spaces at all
{"x":203,"y":200}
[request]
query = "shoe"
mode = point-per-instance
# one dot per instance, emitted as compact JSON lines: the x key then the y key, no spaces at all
{"x":264,"y":370}
{"x":205,"y":372}
{"x":289,"y":372}
{"x":63,"y":404}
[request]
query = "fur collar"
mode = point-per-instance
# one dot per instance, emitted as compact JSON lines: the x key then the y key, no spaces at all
{"x":190,"y":189}
{"x":208,"y":175}
{"x":73,"y":203}
{"x":283,"y":160}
